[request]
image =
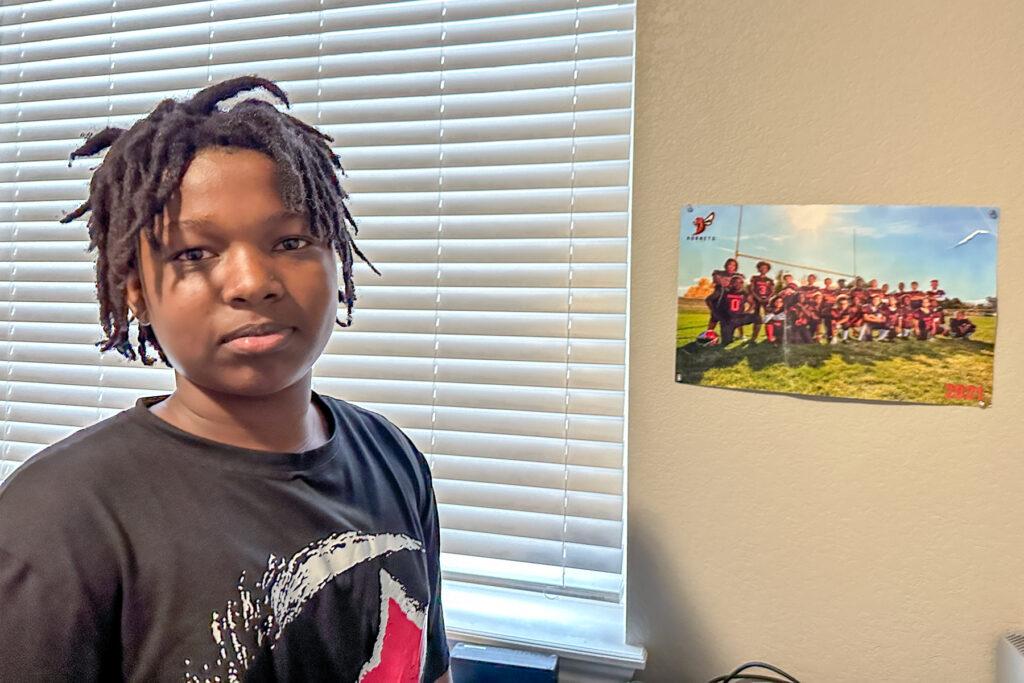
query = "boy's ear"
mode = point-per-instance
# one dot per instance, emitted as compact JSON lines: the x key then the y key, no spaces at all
{"x":135,"y":298}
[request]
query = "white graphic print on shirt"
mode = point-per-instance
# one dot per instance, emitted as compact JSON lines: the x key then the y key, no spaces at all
{"x":262,"y":613}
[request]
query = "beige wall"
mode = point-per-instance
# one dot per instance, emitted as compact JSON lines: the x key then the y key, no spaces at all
{"x":888,"y":559}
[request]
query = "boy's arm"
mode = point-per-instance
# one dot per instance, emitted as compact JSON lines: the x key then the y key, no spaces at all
{"x":59,"y":595}
{"x":437,"y":656}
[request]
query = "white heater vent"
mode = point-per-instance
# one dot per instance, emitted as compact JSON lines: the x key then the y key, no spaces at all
{"x":1010,"y":659}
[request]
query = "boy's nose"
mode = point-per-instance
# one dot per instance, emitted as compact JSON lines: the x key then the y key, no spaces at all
{"x":250,"y":276}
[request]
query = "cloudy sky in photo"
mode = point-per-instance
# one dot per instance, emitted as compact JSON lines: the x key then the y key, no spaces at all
{"x":891,"y":243}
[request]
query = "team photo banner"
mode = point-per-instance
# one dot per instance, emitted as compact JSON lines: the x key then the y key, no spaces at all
{"x":880,"y":303}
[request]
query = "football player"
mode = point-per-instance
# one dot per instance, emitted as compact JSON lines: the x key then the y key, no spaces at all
{"x":961,"y":327}
{"x":916,"y":296}
{"x":827,"y":311}
{"x":848,"y":318}
{"x":775,"y":320}
{"x":874,"y":318}
{"x":762,"y":288}
{"x":812,"y":309}
{"x":720,"y":278}
{"x":790,"y":290}
{"x":893,"y":317}
{"x":908,"y":317}
{"x":811,"y":287}
{"x":734,"y":309}
{"x":925,"y":320}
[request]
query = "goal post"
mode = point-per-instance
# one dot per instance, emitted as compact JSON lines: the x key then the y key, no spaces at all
{"x":811,"y":269}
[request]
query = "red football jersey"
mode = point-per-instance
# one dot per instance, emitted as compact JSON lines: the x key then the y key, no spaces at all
{"x":735,"y":301}
{"x":762,"y":286}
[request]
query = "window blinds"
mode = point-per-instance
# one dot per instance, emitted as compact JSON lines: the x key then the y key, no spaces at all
{"x":487,"y":145}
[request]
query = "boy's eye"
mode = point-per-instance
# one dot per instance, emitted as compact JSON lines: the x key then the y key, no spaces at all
{"x":296,"y":241}
{"x":187,"y":252}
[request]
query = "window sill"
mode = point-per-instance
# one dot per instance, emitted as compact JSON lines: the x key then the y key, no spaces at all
{"x":587,"y":635}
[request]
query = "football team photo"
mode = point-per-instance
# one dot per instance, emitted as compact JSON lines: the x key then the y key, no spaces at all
{"x":886,"y":303}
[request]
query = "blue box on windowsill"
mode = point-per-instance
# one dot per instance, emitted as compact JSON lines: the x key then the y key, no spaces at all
{"x":477,"y":663}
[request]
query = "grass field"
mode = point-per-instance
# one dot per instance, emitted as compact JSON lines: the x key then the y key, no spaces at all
{"x":904,"y":370}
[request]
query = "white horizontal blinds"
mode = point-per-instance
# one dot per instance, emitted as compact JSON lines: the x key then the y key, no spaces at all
{"x":476,"y":285}
{"x":495,"y":337}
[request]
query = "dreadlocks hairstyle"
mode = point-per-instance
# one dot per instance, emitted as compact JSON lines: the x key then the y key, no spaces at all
{"x":146,"y":162}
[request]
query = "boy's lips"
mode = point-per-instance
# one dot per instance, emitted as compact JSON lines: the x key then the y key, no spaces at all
{"x":254,"y":330}
{"x":258,"y":337}
{"x":260,"y":343}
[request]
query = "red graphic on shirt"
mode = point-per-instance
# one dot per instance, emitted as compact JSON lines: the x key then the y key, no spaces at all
{"x":400,"y":655}
{"x":401,"y":636}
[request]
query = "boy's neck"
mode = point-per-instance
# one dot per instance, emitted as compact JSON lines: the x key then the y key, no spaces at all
{"x":287,"y":421}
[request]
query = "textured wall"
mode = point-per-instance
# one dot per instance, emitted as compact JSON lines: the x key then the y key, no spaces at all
{"x":842,"y":541}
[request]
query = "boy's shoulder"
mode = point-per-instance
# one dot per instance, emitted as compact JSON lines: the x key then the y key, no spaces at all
{"x":378,"y":427}
{"x":76,"y":461}
{"x":61,"y":495}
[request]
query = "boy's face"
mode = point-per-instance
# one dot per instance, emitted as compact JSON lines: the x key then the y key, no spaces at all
{"x":249,"y":262}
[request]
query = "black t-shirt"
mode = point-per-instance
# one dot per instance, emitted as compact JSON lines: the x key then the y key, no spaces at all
{"x":135,"y":550}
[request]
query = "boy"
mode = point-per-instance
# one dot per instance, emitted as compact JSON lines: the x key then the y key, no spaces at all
{"x":244,"y":526}
{"x":813,"y":306}
{"x":938,"y":315}
{"x":775,"y":320}
{"x":761,"y":289}
{"x":961,"y":327}
{"x":847,"y":317}
{"x":925,"y":321}
{"x":936,"y":318}
{"x":798,"y":323}
{"x":858,"y":292}
{"x":827,"y":312}
{"x":908,"y":317}
{"x":875,"y":317}
{"x":893,"y":317}
{"x":734,"y":310}
{"x":721,"y":279}
{"x":811,"y":288}
{"x":790,"y":291}
{"x":916,"y":296}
